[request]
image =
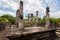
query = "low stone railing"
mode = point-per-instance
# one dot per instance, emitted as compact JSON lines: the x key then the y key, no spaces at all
{"x":46,"y":34}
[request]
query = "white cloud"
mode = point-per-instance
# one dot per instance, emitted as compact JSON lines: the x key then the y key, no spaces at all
{"x":55,"y":14}
{"x":32,"y":5}
{"x":9,"y":3}
{"x":3,"y":12}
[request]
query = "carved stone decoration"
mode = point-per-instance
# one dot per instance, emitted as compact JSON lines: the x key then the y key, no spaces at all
{"x":47,"y":17}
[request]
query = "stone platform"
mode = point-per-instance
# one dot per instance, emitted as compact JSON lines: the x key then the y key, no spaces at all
{"x":33,"y":33}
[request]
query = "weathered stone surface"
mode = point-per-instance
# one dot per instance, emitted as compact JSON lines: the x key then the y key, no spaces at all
{"x":36,"y":18}
{"x":31,"y":33}
{"x":47,"y":18}
{"x":19,"y":17}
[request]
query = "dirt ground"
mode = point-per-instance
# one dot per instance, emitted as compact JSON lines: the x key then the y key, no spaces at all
{"x":3,"y":34}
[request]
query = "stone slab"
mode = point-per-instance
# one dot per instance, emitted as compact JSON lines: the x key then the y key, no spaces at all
{"x":30,"y":30}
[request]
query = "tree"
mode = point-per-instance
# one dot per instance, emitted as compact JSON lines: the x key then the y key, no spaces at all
{"x":55,"y":21}
{"x":10,"y":18}
{"x":3,"y":22}
{"x":43,"y":20}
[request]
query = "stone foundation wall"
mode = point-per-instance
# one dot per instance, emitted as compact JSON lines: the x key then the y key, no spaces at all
{"x":44,"y":35}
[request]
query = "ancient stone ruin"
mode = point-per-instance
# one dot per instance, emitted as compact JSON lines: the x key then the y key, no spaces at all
{"x":31,"y":33}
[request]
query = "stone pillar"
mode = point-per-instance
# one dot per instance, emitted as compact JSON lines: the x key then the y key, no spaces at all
{"x":19,"y":17}
{"x":31,"y":17}
{"x":36,"y":18}
{"x":21,"y":10}
{"x":47,"y":17}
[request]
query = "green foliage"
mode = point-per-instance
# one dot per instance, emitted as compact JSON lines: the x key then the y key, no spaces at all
{"x":58,"y":21}
{"x":43,"y":20}
{"x":4,"y":20}
{"x":10,"y":18}
{"x":55,"y":20}
{"x":34,"y":22}
{"x":52,"y":20}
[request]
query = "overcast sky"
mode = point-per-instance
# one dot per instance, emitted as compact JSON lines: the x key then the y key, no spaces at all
{"x":31,"y":6}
